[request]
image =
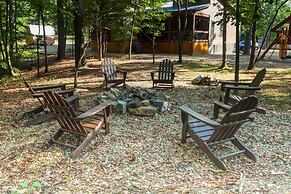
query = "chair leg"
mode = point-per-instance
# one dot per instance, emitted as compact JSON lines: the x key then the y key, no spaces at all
{"x":83,"y":145}
{"x":184,"y":133}
{"x":211,"y":155}
{"x":56,"y":136}
{"x":240,"y":146}
{"x":106,"y":120}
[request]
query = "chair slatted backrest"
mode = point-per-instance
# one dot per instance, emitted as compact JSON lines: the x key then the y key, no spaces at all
{"x":256,"y":82}
{"x":64,"y":112}
{"x":165,"y":70}
{"x":234,"y":118}
{"x":109,"y":68}
{"x":31,"y":89}
{"x":28,"y":86}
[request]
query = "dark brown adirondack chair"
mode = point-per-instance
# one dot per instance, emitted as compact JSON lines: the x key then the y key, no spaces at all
{"x":248,"y":89}
{"x":111,"y":74}
{"x":166,"y":75}
{"x":207,"y":131}
{"x":85,"y":124}
{"x":37,"y":92}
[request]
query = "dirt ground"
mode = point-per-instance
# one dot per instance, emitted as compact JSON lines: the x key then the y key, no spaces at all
{"x":144,"y":154}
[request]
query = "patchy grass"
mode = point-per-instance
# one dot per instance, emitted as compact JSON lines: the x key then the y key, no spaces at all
{"x":276,"y":87}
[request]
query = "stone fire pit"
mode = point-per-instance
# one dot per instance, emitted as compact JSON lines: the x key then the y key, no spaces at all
{"x":141,"y":102}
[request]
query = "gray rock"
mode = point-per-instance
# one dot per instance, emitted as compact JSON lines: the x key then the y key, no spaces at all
{"x":197,"y":79}
{"x":143,"y":111}
{"x":110,"y":96}
{"x":145,"y":102}
{"x":134,"y":103}
{"x":116,"y":92}
{"x":121,"y":107}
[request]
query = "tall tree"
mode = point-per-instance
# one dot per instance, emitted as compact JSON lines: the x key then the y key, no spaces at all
{"x":78,"y":29}
{"x":41,"y":10}
{"x":237,"y":35}
{"x":254,"y":29}
{"x":180,"y":4}
{"x":61,"y":30}
{"x":6,"y":8}
{"x":224,"y":31}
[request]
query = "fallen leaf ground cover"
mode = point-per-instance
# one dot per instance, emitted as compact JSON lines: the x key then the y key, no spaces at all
{"x":144,"y":154}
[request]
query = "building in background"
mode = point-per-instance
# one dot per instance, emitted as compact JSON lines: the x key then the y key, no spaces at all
{"x":35,"y":31}
{"x":202,"y":34}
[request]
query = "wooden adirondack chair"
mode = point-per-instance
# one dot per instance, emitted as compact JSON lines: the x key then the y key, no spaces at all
{"x":207,"y":131}
{"x":84,"y":124}
{"x":37,"y":92}
{"x":166,"y":75}
{"x":111,"y":74}
{"x":248,"y":88}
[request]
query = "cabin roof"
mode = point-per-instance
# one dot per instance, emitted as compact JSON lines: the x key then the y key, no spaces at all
{"x":37,"y":30}
{"x":169,"y":6}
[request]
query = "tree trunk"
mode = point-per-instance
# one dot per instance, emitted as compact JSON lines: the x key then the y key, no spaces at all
{"x":131,"y":38}
{"x":44,"y":40}
{"x":61,"y":30}
{"x":154,"y":50}
{"x":37,"y":54}
{"x":78,"y":28}
{"x":254,"y":29}
{"x":224,"y":57}
{"x":6,"y":38}
{"x":82,"y":58}
{"x":237,"y":33}
{"x":15,"y":25}
{"x":179,"y":32}
{"x":2,"y":38}
{"x":247,"y":46}
{"x":100,"y":46}
{"x":11,"y":34}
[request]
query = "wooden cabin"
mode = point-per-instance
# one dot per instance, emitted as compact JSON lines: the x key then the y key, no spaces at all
{"x":201,"y":36}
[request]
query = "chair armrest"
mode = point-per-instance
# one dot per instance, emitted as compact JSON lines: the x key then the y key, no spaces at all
{"x":173,"y":74}
{"x":153,"y":74}
{"x":38,"y":88}
{"x":69,"y":91}
{"x":72,"y":98}
{"x":234,"y":83}
{"x":222,"y":105}
{"x":94,"y":110}
{"x":37,"y":95}
{"x":198,"y":116}
{"x":233,"y":87}
{"x":121,"y":71}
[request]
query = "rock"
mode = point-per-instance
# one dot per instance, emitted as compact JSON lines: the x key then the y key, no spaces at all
{"x":144,"y":95}
{"x":134,"y":103}
{"x":167,"y":97}
{"x":160,"y":104}
{"x":116,"y":92}
{"x":103,"y":98}
{"x":164,"y":107}
{"x":143,"y":111}
{"x":145,"y":102}
{"x":151,"y":92}
{"x":110,"y":96}
{"x":114,"y":106}
{"x":121,"y":107}
{"x":197,"y":79}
